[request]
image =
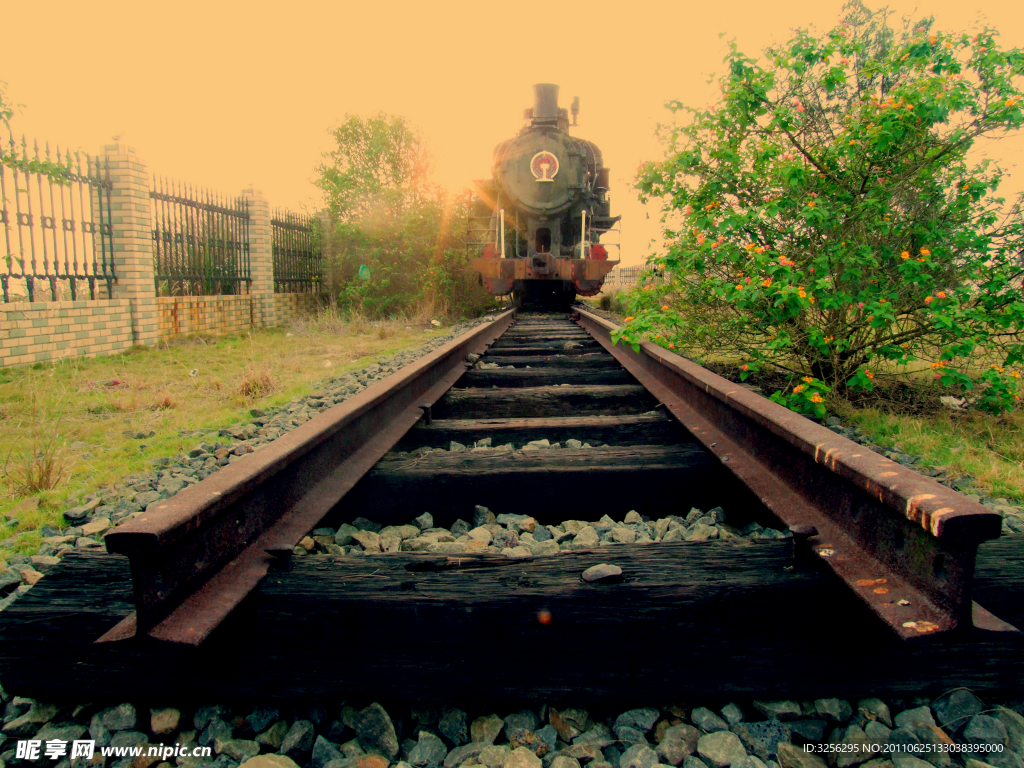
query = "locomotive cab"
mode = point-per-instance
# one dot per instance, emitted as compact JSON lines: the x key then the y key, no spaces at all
{"x":536,"y":223}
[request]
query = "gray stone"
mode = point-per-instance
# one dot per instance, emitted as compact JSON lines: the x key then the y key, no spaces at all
{"x":917,"y":715}
{"x":986,"y":730}
{"x":98,"y":732}
{"x":836,"y":710}
{"x":204,"y":715}
{"x":599,"y":736}
{"x":343,"y":536}
{"x":240,"y":750}
{"x":720,"y":748}
{"x":522,"y":757}
{"x":453,"y":726}
{"x":762,"y":738}
{"x":216,"y":730}
{"x":1005,"y":759}
{"x":748,"y":762}
{"x":638,"y":756}
{"x":732,"y":713}
{"x":261,"y":717}
{"x":1014,"y":724}
{"x":375,"y":732}
{"x":272,"y":737}
{"x":298,"y":741}
{"x":366,"y":525}
{"x":429,"y":750}
{"x":702,"y":532}
{"x":630,"y":735}
{"x":678,"y":742}
{"x":906,"y":760}
{"x":459,"y":755}
{"x":692,"y":761}
{"x":857,"y":748}
{"x":522,"y":719}
{"x":324,"y":752}
{"x":955,"y":708}
{"x":641,"y":719}
{"x":587,"y":538}
{"x":563,"y":761}
{"x":875,"y":709}
{"x":807,"y":731}
{"x":876,"y":732}
{"x":424,"y":521}
{"x":127,"y":739}
{"x":30,"y":722}
{"x":494,"y":756}
{"x":937,"y":741}
{"x":482,"y":516}
{"x":707,"y":720}
{"x":795,"y":757}
{"x":119,"y":718}
{"x":486,"y":729}
{"x":602,"y":573}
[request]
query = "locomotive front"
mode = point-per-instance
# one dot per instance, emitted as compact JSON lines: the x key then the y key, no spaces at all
{"x":536,"y":224}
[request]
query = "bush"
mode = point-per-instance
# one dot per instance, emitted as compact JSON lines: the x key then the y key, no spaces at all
{"x":824,"y":216}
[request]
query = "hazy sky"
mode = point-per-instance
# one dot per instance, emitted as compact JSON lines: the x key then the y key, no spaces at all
{"x":230,"y":94}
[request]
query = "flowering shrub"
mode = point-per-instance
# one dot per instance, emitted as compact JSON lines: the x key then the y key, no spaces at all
{"x":824,"y":216}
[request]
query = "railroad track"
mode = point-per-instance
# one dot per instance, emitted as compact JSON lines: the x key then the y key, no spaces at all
{"x":881,"y":557}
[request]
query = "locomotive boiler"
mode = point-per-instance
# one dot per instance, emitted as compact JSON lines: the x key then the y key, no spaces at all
{"x":535,"y":226}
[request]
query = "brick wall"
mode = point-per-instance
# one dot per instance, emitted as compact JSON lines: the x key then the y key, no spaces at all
{"x":182,"y":315}
{"x":288,"y":306}
{"x":38,"y":331}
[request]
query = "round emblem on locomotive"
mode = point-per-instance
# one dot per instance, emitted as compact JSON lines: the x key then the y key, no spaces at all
{"x":544,"y":166}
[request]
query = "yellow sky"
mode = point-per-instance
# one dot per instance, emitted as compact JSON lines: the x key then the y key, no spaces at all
{"x":230,"y":94}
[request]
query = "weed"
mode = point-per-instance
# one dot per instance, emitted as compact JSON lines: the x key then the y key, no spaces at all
{"x":257,"y":381}
{"x":163,"y":403}
{"x":42,"y":463}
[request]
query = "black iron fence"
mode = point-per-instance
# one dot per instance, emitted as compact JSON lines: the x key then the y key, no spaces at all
{"x":56,"y":225}
{"x":298,"y":266}
{"x":200,"y":241}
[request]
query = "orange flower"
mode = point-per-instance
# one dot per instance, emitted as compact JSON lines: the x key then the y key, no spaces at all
{"x":808,"y":379}
{"x":798,"y":389}
{"x":1015,"y":375}
{"x":925,"y":252}
{"x":815,"y":398}
{"x":810,"y":203}
{"x":744,"y":367}
{"x":665,"y":308}
{"x":905,"y":255}
{"x":928,"y":299}
{"x":628,"y":319}
{"x":739,"y":286}
{"x":941,"y":294}
{"x":869,"y":374}
{"x":671,"y":346}
{"x":767,"y":283}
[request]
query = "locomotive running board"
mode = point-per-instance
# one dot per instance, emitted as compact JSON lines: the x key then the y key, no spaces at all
{"x":195,"y":556}
{"x":905,"y":544}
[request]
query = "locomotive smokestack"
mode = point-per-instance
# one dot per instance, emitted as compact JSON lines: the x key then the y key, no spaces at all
{"x":545,"y":104}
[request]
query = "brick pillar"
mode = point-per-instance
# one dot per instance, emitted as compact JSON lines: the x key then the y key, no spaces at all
{"x":132,"y":240}
{"x":261,"y":258}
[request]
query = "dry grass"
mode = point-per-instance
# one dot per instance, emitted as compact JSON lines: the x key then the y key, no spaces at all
{"x":41,"y":462}
{"x":187,"y":384}
{"x":257,"y":381}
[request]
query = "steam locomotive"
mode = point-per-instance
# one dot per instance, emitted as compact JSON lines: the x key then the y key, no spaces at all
{"x":535,"y":226}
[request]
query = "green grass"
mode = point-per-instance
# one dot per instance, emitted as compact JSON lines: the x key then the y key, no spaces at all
{"x":69,"y":417}
{"x":988,"y":448}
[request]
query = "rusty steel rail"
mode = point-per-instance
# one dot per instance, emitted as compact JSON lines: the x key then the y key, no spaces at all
{"x":195,"y":556}
{"x":904,"y":543}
